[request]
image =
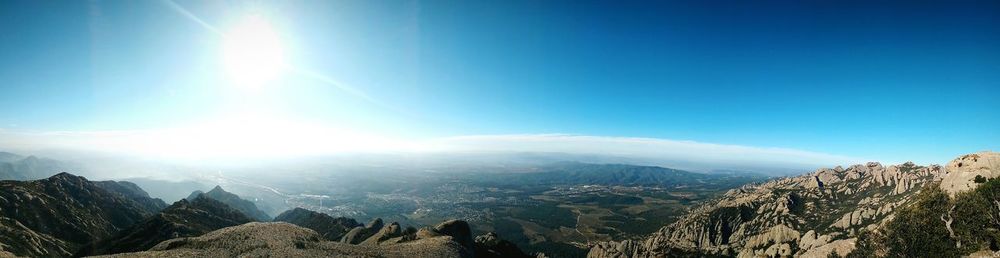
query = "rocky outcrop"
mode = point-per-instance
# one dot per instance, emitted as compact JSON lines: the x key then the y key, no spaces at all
{"x":963,"y":171}
{"x":489,"y":245}
{"x":812,"y":215}
{"x":841,"y":247}
{"x":359,"y":234}
{"x":330,"y":228}
{"x":457,"y":229}
{"x":387,"y":232}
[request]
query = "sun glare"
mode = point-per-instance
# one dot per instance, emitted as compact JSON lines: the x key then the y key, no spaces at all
{"x":253,"y":55}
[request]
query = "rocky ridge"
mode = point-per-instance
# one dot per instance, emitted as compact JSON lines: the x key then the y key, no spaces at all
{"x":811,"y":215}
{"x":53,"y":217}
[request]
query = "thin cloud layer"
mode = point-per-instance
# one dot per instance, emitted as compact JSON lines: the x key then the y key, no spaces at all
{"x":647,"y":148}
{"x":231,"y":142}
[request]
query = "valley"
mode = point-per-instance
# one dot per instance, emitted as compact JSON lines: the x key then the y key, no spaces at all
{"x":558,"y":209}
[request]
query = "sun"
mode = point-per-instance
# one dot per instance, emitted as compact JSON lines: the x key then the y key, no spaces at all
{"x":252,"y":53}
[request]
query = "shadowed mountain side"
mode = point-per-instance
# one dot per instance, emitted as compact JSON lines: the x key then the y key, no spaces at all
{"x":329,"y":228}
{"x":182,"y":219}
{"x":133,"y":192}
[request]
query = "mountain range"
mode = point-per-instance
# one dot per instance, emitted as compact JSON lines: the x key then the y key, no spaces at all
{"x":833,"y":212}
{"x":67,"y":215}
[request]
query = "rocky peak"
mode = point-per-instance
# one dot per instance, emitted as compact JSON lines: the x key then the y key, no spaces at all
{"x":217,"y":189}
{"x":963,"y":171}
{"x":66,"y":177}
{"x":234,"y":201}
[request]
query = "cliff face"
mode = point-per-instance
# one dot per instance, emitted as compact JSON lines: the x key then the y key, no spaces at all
{"x":963,"y":171}
{"x":810,"y":215}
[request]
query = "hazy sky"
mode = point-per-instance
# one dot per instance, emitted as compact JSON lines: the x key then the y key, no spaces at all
{"x":913,"y":80}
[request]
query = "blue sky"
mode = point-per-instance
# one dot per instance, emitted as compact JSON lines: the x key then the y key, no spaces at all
{"x":913,"y":80}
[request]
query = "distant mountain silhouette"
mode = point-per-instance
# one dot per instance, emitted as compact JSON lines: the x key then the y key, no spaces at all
{"x":16,"y":167}
{"x":573,"y":173}
{"x":234,"y":201}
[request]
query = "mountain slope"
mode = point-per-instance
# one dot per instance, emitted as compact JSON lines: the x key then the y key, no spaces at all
{"x":182,"y":219}
{"x":328,"y":227}
{"x":134,"y":193}
{"x":786,"y":216}
{"x":62,"y":212}
{"x":961,"y":217}
{"x":811,"y":215}
{"x":279,"y":239}
{"x":234,"y":201}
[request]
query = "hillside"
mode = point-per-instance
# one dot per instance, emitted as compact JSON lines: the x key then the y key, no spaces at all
{"x":812,"y":215}
{"x":182,"y":219}
{"x":53,"y":217}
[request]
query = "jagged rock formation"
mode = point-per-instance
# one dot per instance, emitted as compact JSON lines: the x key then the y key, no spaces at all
{"x":458,"y":231}
{"x":360,"y":233}
{"x":234,"y":201}
{"x":962,"y":172}
{"x":330,"y":228}
{"x":53,"y":217}
{"x":182,"y":219}
{"x":393,"y":230}
{"x":489,"y":245}
{"x":279,"y":239}
{"x":809,"y":215}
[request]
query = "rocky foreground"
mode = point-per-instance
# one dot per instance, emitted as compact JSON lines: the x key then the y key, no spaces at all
{"x":279,"y":239}
{"x":812,"y":215}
